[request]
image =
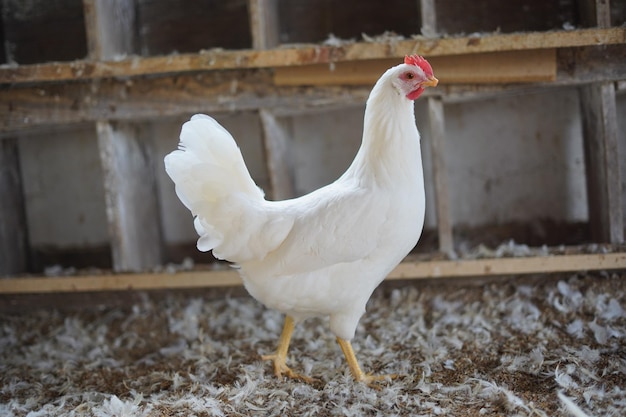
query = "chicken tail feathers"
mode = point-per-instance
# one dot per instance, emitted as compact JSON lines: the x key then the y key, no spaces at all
{"x":213,"y":182}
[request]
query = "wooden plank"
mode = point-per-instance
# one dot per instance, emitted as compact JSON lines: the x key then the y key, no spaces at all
{"x":591,"y":64}
{"x":440,"y":173}
{"x":13,"y":231}
{"x":130,"y":195}
{"x":52,"y":104}
{"x":121,"y":282}
{"x":538,"y":65}
{"x":407,"y":270}
{"x":276,"y":143}
{"x":109,"y":28}
{"x":602,"y":162}
{"x":509,"y":266}
{"x":309,"y":54}
{"x":264,"y":23}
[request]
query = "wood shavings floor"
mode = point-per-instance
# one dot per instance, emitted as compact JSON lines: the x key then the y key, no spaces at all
{"x":507,"y":347}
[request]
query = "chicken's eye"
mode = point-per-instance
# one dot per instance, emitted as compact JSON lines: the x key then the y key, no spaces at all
{"x":409,"y":75}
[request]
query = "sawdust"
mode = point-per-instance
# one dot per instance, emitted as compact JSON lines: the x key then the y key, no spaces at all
{"x":508,"y":347}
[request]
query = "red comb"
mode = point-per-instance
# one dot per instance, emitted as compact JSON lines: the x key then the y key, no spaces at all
{"x":419,"y":61}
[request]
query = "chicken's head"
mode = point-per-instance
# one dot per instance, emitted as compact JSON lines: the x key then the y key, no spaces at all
{"x":412,"y":77}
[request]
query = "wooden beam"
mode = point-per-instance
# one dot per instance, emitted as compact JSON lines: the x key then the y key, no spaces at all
{"x":440,"y":174}
{"x":13,"y":230}
{"x":121,"y":282}
{"x":509,"y":266}
{"x":602,"y":162}
{"x":309,"y":54}
{"x":51,"y":104}
{"x":407,"y":270}
{"x":529,"y":66}
{"x":276,"y":143}
{"x":130,"y":195}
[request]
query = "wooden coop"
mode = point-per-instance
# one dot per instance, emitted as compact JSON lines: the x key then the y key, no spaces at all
{"x":524,"y":144}
{"x":94,"y":97}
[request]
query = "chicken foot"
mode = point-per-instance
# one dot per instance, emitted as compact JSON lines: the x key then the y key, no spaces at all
{"x":280,"y":357}
{"x":355,"y":369}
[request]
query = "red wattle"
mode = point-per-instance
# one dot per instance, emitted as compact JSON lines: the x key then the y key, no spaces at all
{"x":414,"y":95}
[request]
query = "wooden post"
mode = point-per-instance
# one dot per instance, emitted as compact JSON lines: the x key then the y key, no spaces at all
{"x":13,"y":231}
{"x":276,"y":143}
{"x":599,"y":116}
{"x":264,"y":27}
{"x":440,"y":173}
{"x":129,"y":180}
{"x":264,"y":24}
{"x":437,"y":142}
{"x":429,"y":18}
{"x":602,"y":162}
{"x":131,"y":202}
{"x":109,"y":26}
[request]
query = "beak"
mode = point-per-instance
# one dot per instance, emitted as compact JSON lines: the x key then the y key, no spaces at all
{"x":430,"y":82}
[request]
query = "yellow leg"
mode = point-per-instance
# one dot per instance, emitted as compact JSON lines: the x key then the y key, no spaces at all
{"x":280,"y":357}
{"x":355,"y":369}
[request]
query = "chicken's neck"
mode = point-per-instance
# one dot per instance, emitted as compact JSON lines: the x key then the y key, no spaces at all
{"x":390,"y":151}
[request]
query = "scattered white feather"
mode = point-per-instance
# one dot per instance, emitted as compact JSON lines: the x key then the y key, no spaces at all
{"x":494,"y":392}
{"x":576,"y":328}
{"x":611,"y":311}
{"x":571,"y":406}
{"x":114,"y":407}
{"x":206,"y":362}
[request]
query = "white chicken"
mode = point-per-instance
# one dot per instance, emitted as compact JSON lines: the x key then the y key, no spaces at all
{"x":324,"y":253}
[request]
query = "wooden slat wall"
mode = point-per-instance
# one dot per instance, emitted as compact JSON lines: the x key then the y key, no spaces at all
{"x":270,"y":79}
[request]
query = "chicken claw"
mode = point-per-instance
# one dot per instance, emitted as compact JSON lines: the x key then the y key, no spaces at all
{"x":355,"y":369}
{"x":280,"y":357}
{"x":281,"y":369}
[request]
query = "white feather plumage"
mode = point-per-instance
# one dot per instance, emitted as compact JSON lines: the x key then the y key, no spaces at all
{"x":324,"y":253}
